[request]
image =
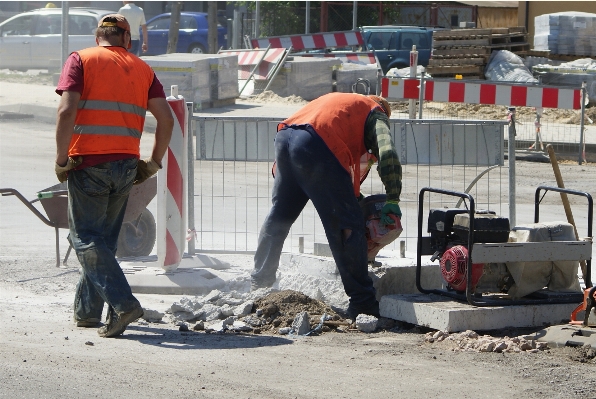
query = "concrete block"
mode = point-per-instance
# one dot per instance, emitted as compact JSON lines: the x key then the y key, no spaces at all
{"x":366,"y":323}
{"x":348,"y":74}
{"x":196,"y":275}
{"x":321,"y":249}
{"x":152,"y":315}
{"x":239,"y":326}
{"x":401,"y":279}
{"x":301,"y":323}
{"x":306,"y":77}
{"x":444,"y":314}
{"x":244,"y":309}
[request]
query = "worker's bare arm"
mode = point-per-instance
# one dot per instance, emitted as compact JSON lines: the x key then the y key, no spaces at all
{"x":67,"y":112}
{"x":165,"y":122}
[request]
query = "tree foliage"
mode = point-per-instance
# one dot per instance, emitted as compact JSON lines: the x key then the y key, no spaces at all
{"x":279,"y":18}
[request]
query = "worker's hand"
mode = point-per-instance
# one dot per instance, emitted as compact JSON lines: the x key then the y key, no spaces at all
{"x":145,"y":169}
{"x":390,"y":207}
{"x":144,"y":47}
{"x":62,"y":171}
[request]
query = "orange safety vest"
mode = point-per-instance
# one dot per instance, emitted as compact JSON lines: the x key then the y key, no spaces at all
{"x":339,"y":119}
{"x":113,"y":104}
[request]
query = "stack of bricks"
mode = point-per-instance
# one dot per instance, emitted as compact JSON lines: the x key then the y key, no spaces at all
{"x":465,"y":52}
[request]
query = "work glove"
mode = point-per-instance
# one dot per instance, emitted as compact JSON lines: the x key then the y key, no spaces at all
{"x":62,"y":171}
{"x":145,"y":169}
{"x":390,"y":207}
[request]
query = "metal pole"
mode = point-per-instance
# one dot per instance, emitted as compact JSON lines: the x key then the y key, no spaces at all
{"x":511,"y":159}
{"x":64,"y":27}
{"x":413,"y":68}
{"x":257,"y":19}
{"x":581,"y":126}
{"x":537,"y":124}
{"x":191,"y":181}
{"x":355,"y":16}
{"x":421,"y":96}
{"x":307,"y":27}
{"x":235,"y":29}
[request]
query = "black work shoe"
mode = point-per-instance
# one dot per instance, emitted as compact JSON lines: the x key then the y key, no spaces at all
{"x":117,"y":323}
{"x":91,"y":322}
{"x":373,"y":310}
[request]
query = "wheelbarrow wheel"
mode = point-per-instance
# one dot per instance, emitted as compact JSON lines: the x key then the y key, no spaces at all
{"x":137,"y":237}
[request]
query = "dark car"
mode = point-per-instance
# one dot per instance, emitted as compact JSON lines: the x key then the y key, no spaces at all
{"x":33,"y":39}
{"x":392,"y":44}
{"x":192,"y":36}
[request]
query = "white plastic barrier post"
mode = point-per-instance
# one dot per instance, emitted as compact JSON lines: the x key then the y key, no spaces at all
{"x":413,"y":72}
{"x":172,"y":189}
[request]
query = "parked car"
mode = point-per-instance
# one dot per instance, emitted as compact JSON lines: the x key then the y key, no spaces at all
{"x":392,"y":44}
{"x":33,"y":39}
{"x":192,"y":36}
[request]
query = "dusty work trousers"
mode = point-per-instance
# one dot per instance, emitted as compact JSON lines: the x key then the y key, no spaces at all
{"x":307,"y":169}
{"x":97,"y":198}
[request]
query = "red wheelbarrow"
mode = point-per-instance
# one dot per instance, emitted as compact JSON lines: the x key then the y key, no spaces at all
{"x":137,"y":235}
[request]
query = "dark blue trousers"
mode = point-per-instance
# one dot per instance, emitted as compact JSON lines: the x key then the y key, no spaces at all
{"x":307,"y":169}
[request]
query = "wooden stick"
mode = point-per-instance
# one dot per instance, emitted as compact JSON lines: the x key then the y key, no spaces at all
{"x":559,"y":178}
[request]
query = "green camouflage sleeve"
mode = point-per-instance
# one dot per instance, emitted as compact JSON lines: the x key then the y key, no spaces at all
{"x":377,"y":138}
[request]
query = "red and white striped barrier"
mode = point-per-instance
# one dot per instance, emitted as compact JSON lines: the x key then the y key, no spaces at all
{"x":172,"y":190}
{"x":247,"y":59}
{"x":357,"y":58}
{"x":482,"y":93}
{"x":311,"y":42}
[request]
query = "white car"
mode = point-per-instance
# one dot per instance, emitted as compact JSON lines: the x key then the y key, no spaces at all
{"x":33,"y":39}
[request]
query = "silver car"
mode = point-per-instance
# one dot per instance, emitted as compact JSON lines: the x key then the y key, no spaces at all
{"x":33,"y":39}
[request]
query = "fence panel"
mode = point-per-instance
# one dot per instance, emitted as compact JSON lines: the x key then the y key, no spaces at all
{"x":233,"y":180}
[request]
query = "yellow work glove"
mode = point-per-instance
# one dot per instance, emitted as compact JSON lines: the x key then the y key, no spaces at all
{"x":62,"y":171}
{"x":145,"y":169}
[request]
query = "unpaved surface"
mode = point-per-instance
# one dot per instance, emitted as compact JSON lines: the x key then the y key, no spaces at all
{"x":44,"y":355}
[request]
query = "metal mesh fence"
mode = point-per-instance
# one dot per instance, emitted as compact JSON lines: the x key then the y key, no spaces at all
{"x":233,"y":181}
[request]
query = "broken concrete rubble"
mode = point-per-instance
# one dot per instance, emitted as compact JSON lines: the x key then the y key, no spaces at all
{"x":366,"y":323}
{"x":471,"y":341}
{"x":301,"y":324}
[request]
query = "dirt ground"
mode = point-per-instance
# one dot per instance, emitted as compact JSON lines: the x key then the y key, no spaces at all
{"x":45,"y":355}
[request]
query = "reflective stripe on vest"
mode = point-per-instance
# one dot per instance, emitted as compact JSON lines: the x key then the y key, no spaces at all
{"x":339,"y":119}
{"x":113,"y":105}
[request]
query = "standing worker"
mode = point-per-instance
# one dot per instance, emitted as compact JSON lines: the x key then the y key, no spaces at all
{"x":106,"y":92}
{"x":317,"y":156}
{"x":136,"y":18}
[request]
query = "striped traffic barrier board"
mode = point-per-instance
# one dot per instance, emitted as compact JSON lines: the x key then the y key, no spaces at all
{"x":457,"y":91}
{"x":172,"y":190}
{"x":346,"y":57}
{"x":312,"y":41}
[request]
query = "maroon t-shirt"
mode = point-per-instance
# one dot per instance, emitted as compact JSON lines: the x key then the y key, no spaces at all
{"x":71,"y":79}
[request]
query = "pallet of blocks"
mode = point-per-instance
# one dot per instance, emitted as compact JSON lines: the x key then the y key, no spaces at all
{"x":465,"y":52}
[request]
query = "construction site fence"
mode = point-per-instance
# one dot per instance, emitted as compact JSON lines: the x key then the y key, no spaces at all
{"x":232,"y":182}
{"x":569,"y":128}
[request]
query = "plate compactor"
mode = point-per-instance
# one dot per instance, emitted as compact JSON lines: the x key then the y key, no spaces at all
{"x":486,"y":262}
{"x":448,"y":228}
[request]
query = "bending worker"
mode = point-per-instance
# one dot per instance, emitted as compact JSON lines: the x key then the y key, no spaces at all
{"x":318,"y":151}
{"x":106,"y":92}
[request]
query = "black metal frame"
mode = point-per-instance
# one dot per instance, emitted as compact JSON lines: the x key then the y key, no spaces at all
{"x":537,"y":200}
{"x":471,"y":297}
